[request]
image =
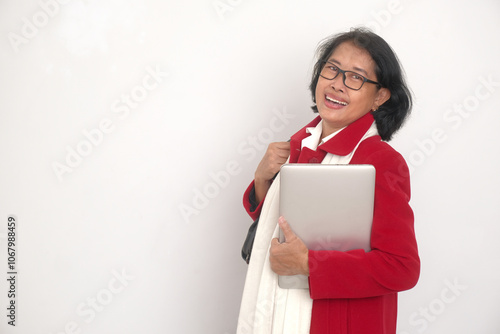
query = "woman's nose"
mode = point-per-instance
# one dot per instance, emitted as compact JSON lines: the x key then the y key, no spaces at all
{"x":338,"y":83}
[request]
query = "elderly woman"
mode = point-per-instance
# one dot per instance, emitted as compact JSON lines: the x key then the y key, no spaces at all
{"x":361,"y":97}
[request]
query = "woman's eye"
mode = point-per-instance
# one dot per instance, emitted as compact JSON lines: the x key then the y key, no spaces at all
{"x":356,"y":77}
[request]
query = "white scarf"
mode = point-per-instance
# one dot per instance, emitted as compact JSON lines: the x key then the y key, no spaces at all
{"x":265,"y":307}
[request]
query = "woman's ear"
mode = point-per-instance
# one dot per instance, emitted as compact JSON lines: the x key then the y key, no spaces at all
{"x":383,"y":95}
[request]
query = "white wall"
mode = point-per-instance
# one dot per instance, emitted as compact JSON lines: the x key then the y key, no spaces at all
{"x":119,"y":240}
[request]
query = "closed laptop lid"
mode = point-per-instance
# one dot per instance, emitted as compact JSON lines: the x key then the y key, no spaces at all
{"x":330,"y":207}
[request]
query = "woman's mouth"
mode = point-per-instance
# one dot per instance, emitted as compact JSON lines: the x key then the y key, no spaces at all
{"x":337,"y":102}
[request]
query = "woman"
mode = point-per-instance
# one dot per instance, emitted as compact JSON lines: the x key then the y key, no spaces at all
{"x":361,"y":98}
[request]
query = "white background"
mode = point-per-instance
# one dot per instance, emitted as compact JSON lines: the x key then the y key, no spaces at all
{"x":142,"y":233}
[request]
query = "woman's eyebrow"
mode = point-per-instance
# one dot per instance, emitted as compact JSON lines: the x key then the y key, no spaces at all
{"x":360,"y":70}
{"x":333,"y":60}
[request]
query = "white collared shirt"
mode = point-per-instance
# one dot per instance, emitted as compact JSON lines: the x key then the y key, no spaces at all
{"x":313,"y":140}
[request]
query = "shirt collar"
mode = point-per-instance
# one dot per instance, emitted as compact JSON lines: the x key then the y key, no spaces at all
{"x":341,"y":142}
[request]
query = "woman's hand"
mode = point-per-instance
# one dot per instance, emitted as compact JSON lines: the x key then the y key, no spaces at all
{"x":290,"y":257}
{"x":276,"y":155}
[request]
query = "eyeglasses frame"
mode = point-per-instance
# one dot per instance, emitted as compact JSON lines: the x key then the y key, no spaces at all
{"x":365,"y":79}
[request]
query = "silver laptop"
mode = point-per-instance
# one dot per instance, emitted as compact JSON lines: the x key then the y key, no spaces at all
{"x":330,"y":207}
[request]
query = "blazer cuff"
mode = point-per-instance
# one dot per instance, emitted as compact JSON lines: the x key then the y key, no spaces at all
{"x":250,"y":203}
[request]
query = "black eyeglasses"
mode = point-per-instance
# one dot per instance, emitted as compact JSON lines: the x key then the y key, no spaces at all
{"x":352,"y":79}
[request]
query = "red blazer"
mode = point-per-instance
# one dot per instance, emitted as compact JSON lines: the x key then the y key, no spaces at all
{"x":355,"y":292}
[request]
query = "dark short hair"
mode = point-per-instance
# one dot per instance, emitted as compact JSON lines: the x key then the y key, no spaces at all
{"x":391,"y":115}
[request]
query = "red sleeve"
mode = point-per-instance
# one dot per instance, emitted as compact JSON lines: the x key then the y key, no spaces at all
{"x":392,"y":264}
{"x":252,"y":209}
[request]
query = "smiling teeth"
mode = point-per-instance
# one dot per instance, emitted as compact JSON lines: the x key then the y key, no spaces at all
{"x":336,"y":101}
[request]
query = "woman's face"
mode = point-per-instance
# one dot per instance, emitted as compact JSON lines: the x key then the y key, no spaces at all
{"x":338,"y":105}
